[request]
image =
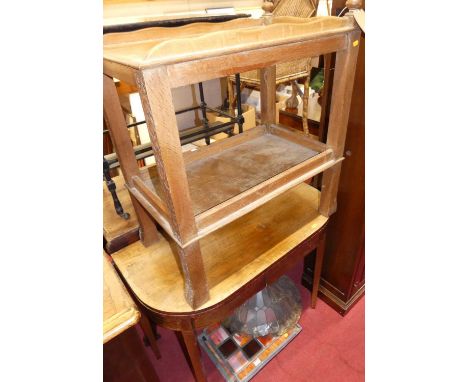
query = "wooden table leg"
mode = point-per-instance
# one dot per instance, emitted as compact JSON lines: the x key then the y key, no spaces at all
{"x":149,"y":333}
{"x":317,"y":271}
{"x":190,"y":341}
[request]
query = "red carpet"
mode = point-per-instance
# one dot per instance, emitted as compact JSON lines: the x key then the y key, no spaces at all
{"x":330,"y":348}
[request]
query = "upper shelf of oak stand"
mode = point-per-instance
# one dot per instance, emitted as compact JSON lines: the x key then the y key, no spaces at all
{"x":268,"y":234}
{"x":155,"y":46}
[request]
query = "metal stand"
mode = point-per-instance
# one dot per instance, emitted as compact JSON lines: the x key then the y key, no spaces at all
{"x":240,"y":117}
{"x":112,"y":189}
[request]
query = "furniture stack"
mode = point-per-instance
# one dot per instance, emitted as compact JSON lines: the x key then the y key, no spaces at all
{"x":219,"y":223}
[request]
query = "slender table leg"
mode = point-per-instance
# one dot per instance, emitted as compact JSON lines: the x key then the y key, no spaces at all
{"x":149,"y":333}
{"x":190,"y":340}
{"x":317,"y":271}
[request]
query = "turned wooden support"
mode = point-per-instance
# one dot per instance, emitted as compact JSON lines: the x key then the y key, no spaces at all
{"x":353,"y":5}
{"x":292,"y":103}
{"x":268,"y":7}
{"x":355,"y":10}
{"x":267,"y":16}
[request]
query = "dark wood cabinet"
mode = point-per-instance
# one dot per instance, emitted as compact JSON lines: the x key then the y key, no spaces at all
{"x":342,"y":279}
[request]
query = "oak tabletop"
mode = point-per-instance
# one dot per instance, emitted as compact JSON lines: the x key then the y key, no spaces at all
{"x":232,"y":255}
{"x":156,"y":46}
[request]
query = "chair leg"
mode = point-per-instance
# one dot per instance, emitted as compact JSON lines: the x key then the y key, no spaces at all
{"x":317,"y":271}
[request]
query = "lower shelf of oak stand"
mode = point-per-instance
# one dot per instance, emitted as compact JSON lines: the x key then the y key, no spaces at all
{"x":233,"y":176}
{"x":117,"y":231}
{"x":232,"y":255}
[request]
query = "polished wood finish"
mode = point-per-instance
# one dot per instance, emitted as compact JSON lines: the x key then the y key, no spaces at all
{"x":275,"y":237}
{"x":117,"y":231}
{"x":191,"y":345}
{"x":119,"y":310}
{"x":285,"y":221}
{"x":268,"y":233}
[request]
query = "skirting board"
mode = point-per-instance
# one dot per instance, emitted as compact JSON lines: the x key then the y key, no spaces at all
{"x":336,"y":303}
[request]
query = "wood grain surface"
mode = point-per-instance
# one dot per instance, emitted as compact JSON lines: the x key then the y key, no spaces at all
{"x":119,"y":310}
{"x":267,"y":233}
{"x":200,"y":196}
{"x":155,"y":46}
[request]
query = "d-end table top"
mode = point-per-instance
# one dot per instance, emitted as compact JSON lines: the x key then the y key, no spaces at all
{"x":233,"y":255}
{"x":157,"y":46}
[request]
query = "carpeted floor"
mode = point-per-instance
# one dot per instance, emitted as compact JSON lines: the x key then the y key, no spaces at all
{"x":330,"y":348}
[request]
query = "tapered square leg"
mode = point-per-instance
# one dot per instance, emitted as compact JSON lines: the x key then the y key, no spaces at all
{"x":193,"y":350}
{"x":317,"y":271}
